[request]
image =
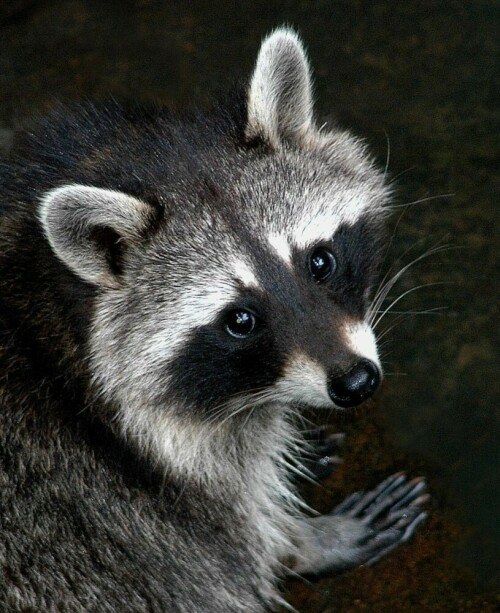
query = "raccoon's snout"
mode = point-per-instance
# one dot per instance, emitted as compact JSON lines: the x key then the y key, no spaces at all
{"x":356,"y":385}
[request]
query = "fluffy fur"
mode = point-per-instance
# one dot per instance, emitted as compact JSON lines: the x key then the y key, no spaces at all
{"x":146,"y":451}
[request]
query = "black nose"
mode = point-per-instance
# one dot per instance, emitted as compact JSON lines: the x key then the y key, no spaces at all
{"x":356,"y":385}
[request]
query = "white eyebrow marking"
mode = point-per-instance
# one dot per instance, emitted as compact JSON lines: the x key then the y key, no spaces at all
{"x":243,"y":272}
{"x":324,"y":214}
{"x":280,"y":244}
{"x":318,"y":228}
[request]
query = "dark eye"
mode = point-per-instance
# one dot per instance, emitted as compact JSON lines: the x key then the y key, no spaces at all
{"x":240,"y":323}
{"x":322,"y":264}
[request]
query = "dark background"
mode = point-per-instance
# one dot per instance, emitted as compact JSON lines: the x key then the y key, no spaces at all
{"x":421,"y":76}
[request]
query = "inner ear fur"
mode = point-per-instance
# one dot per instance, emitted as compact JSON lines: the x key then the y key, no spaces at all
{"x":279,"y":104}
{"x":89,"y":229}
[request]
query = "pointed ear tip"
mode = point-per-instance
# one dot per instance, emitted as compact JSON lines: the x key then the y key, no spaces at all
{"x":284,"y":32}
{"x":283,"y":35}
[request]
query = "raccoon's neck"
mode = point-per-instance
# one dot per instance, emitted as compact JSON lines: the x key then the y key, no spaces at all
{"x":250,"y":458}
{"x":247,"y":467}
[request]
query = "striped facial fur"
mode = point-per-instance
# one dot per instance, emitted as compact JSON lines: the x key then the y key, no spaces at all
{"x":234,"y":271}
{"x":177,"y":288}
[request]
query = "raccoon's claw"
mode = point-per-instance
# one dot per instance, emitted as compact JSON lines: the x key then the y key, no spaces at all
{"x":322,"y":457}
{"x":408,"y":532}
{"x":391,"y":512}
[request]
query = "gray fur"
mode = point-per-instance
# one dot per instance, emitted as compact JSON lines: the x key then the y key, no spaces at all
{"x":280,"y":101}
{"x":131,"y":481}
{"x":71,"y":215}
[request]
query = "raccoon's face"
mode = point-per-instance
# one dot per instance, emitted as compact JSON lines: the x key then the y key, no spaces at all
{"x":285,"y":275}
{"x":250,"y":284}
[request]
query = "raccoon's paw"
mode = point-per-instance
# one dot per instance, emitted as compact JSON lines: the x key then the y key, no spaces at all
{"x":363,"y":528}
{"x":322,"y":456}
{"x":391,"y":513}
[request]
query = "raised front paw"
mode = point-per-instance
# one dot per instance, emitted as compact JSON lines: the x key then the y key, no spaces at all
{"x":391,"y":512}
{"x":363,"y":528}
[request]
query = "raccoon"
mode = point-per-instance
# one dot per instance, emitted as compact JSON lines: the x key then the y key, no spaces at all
{"x":175,"y":290}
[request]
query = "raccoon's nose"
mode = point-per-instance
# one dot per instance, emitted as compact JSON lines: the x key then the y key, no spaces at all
{"x":356,"y":385}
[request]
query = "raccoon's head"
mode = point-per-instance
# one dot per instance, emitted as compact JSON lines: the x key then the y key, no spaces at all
{"x":245,"y":288}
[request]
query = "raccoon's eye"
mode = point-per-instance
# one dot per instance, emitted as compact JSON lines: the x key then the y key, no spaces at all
{"x":240,"y":323}
{"x":322,"y":264}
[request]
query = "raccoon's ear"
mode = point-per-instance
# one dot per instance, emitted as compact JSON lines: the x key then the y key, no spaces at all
{"x":90,"y":229}
{"x":279,"y":104}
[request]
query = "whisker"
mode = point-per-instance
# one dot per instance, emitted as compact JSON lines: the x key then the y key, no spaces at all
{"x":400,"y":174}
{"x":427,"y":253}
{"x":389,"y":245}
{"x":431,"y":311}
{"x":240,"y":404}
{"x":388,"y":156}
{"x":249,"y":415}
{"x":230,"y":416}
{"x":404,"y":316}
{"x":303,"y":473}
{"x":419,"y":201}
{"x":409,"y":291}
{"x":218,"y":410}
{"x":397,"y":321}
{"x":387,"y":285}
{"x":432,"y":250}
